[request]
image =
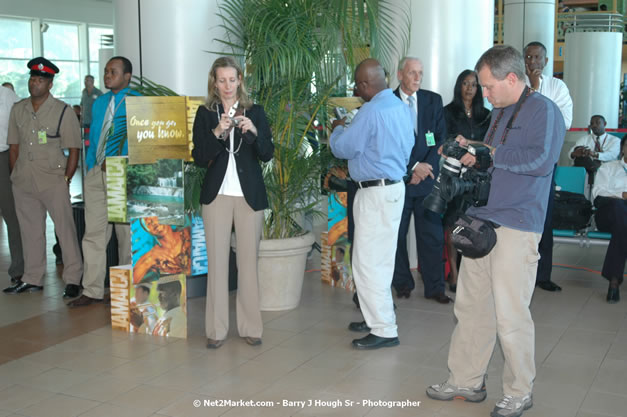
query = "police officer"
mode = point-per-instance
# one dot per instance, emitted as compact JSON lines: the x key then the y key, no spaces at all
{"x":40,"y":127}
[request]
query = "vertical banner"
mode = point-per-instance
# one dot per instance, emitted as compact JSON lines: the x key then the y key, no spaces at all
{"x":120,"y":278}
{"x":116,"y":189}
{"x":336,"y":254}
{"x":199,"y":247}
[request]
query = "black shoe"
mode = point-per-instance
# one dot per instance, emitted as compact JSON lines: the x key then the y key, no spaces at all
{"x":84,"y":300}
{"x":356,"y":300}
{"x":452,"y":287}
{"x":15,"y":280}
{"x":613,"y":295}
{"x":548,"y":286}
{"x":403,"y":292}
{"x":440,"y":298}
{"x":375,"y":342}
{"x":358,"y":326}
{"x":71,"y":291}
{"x":21,"y":287}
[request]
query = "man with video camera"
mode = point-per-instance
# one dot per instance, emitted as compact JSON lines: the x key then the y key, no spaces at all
{"x":494,"y":291}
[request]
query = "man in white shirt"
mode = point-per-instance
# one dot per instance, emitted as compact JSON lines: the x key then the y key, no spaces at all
{"x":596,"y":145}
{"x":7,"y":204}
{"x":610,"y":198}
{"x":556,"y":90}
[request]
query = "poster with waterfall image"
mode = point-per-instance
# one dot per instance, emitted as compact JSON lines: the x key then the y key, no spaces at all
{"x":156,"y":190}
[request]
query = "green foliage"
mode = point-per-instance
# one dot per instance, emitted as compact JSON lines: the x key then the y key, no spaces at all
{"x":168,"y":167}
{"x":142,"y":174}
{"x":297,"y":54}
{"x":194,"y":176}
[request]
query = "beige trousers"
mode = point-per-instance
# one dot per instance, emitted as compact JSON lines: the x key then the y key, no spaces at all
{"x":98,"y":233}
{"x":219,"y":217}
{"x":31,"y":211}
{"x":493,"y":297}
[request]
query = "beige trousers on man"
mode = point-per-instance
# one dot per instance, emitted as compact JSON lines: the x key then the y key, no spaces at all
{"x":493,"y":297}
{"x":219,"y":217}
{"x":98,"y":233}
{"x":31,"y":208}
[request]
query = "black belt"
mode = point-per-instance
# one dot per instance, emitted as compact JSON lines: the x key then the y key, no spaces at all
{"x":375,"y":183}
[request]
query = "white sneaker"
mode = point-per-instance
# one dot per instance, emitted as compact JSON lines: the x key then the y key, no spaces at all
{"x":509,"y":406}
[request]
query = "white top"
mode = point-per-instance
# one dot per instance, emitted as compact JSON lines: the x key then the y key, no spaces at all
{"x":610,"y":180}
{"x":556,"y":90}
{"x":230,"y":184}
{"x":610,"y":146}
{"x":7,"y":99}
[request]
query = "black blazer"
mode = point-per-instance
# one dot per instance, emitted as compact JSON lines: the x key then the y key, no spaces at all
{"x":211,"y":152}
{"x":457,"y":123}
{"x":430,"y":119}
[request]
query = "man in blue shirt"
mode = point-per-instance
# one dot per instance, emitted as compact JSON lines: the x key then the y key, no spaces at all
{"x":107,"y":137}
{"x":377,"y":145}
{"x":494,"y":292}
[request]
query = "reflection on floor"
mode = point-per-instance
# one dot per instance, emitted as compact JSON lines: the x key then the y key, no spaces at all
{"x":62,"y":362}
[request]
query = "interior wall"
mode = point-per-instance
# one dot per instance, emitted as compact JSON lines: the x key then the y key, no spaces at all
{"x":98,"y":12}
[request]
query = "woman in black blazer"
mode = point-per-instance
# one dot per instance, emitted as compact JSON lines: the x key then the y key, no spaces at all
{"x":231,"y":136}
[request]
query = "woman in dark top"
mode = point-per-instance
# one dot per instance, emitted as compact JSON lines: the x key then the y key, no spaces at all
{"x":464,"y":116}
{"x":231,"y":136}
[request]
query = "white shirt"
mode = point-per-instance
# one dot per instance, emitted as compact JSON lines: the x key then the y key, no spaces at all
{"x":556,"y":90}
{"x":405,"y":99}
{"x":230,"y":184}
{"x":7,"y":99}
{"x":610,"y":146}
{"x":610,"y":180}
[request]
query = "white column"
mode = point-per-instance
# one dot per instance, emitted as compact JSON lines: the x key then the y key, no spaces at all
{"x":592,"y":69}
{"x":449,"y":36}
{"x":530,"y":21}
{"x":174,"y":36}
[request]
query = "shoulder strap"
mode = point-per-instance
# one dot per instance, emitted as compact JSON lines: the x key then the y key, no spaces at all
{"x":59,"y":125}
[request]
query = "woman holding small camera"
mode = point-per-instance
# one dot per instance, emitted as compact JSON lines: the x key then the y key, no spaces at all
{"x":465,"y":116}
{"x":231,"y":137}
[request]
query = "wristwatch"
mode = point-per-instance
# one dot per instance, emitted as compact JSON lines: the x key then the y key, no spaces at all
{"x":67,"y":179}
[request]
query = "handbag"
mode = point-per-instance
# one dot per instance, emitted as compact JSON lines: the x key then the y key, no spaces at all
{"x":473,"y":237}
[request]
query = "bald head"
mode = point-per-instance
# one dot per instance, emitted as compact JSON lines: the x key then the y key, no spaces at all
{"x":369,"y":78}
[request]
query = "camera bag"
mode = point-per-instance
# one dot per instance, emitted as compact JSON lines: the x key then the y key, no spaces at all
{"x":473,"y":237}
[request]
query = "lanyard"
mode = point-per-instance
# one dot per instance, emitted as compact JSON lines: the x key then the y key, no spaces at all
{"x":235,"y":110}
{"x":523,"y":97}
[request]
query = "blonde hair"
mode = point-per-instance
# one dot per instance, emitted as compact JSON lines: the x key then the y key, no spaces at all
{"x":213,"y":98}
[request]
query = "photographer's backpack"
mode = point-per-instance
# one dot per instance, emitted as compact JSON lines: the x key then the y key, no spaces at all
{"x":571,"y":211}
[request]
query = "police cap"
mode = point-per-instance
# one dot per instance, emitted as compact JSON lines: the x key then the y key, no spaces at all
{"x":42,"y":67}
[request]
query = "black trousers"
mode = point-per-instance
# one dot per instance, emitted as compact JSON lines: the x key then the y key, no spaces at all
{"x":545,"y":248}
{"x":430,"y":245}
{"x":611,"y":217}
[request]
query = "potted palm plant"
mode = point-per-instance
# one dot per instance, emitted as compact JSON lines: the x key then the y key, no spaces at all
{"x":297,"y":54}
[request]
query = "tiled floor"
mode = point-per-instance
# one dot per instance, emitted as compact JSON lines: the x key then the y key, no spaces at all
{"x":61,"y":362}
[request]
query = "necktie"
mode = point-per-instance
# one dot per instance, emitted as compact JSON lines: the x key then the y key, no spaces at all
{"x":105,"y":132}
{"x":597,"y":144}
{"x":412,"y":106}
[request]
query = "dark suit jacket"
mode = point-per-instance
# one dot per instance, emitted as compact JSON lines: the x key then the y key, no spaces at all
{"x":211,"y":152}
{"x":430,"y":119}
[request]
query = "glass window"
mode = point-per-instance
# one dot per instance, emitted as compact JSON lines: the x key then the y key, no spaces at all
{"x":96,"y":41}
{"x":15,"y":72}
{"x":93,"y":70}
{"x":68,"y":84}
{"x":16,"y":40}
{"x":61,"y":42}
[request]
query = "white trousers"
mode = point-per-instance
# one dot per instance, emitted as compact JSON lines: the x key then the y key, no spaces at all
{"x":377,"y":212}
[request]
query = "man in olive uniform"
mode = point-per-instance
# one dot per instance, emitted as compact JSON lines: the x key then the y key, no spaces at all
{"x":40,"y":127}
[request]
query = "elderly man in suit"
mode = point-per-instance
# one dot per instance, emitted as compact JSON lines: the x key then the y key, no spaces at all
{"x":429,"y":134}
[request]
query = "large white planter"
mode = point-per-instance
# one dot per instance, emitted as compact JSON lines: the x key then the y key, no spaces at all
{"x":281,"y":269}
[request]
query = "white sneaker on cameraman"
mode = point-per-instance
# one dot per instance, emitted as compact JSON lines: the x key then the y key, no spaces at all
{"x":448,"y":392}
{"x":510,"y":406}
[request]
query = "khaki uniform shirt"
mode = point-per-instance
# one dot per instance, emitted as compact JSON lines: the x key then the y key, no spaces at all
{"x":42,"y":136}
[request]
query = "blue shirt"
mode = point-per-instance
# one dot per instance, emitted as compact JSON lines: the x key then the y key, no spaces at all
{"x":523,"y":165}
{"x":378,"y":141}
{"x":99,"y":109}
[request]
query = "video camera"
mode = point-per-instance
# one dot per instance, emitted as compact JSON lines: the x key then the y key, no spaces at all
{"x":473,"y":183}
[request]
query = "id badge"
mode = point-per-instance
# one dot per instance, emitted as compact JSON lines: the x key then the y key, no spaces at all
{"x":430,"y":139}
{"x":42,"y":138}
